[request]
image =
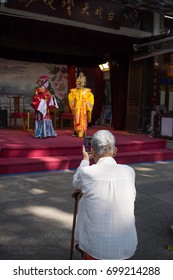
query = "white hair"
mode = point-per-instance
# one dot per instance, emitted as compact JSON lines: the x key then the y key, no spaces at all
{"x":103,"y":142}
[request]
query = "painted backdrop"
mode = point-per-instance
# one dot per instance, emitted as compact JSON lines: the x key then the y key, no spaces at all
{"x":18,"y":78}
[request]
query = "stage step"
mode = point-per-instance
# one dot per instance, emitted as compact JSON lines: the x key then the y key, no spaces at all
{"x":20,"y":152}
{"x":145,"y":156}
{"x":38,"y":164}
{"x":32,"y":151}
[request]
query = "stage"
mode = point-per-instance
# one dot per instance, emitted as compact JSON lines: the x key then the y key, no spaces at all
{"x":20,"y":152}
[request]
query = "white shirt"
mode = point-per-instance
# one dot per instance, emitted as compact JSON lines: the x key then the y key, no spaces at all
{"x":105,"y":226}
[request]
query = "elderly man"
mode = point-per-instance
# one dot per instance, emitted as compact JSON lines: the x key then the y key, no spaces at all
{"x":105,"y":226}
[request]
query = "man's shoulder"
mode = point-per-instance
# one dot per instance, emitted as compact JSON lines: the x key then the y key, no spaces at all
{"x":88,"y":168}
{"x":126,"y":168}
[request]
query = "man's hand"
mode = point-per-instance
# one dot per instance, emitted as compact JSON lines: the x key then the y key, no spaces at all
{"x":85,"y":154}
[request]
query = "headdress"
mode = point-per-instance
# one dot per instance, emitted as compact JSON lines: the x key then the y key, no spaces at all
{"x":42,"y":80}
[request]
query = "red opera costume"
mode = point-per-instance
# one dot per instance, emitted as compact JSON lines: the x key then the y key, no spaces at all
{"x":42,"y":101}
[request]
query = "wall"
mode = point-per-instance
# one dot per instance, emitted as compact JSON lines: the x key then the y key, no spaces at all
{"x":18,"y":78}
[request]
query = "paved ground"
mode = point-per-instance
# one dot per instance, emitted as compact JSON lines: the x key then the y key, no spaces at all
{"x":36,"y":212}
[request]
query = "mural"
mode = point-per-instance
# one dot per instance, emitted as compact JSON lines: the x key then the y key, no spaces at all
{"x":18,"y":78}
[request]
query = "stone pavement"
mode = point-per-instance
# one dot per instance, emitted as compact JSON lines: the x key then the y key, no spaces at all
{"x":36,"y":212}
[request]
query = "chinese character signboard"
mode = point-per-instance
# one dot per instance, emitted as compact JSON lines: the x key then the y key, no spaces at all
{"x":93,"y":12}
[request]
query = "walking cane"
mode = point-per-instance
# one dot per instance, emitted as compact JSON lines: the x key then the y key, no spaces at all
{"x":75,"y":195}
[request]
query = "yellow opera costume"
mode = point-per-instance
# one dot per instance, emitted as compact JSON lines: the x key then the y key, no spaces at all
{"x":81,"y":102}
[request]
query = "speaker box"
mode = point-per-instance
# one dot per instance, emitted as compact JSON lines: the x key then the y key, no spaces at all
{"x":3,"y":119}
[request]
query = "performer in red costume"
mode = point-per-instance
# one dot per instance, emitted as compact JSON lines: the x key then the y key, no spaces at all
{"x":42,"y":101}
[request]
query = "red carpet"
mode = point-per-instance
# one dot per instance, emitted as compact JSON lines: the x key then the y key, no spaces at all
{"x":21,"y":153}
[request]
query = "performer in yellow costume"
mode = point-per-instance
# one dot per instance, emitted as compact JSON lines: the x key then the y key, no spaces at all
{"x":81,"y":102}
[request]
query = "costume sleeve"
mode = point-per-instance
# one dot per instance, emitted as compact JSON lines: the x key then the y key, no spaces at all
{"x":36,"y":100}
{"x":89,"y":105}
{"x":42,"y":108}
{"x":46,"y":96}
{"x":53,"y":102}
{"x":71,"y":99}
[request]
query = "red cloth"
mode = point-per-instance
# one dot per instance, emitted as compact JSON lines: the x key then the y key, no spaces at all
{"x":87,"y":257}
{"x":67,"y":116}
{"x":41,"y":94}
{"x":18,"y":115}
{"x":36,"y":98}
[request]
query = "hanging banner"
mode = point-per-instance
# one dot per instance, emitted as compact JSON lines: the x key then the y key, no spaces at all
{"x":93,"y":12}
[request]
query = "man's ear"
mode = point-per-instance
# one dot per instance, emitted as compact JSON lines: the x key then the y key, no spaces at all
{"x":92,"y":152}
{"x":115,"y":151}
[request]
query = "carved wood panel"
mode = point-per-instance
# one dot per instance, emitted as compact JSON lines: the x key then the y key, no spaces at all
{"x":134,"y":97}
